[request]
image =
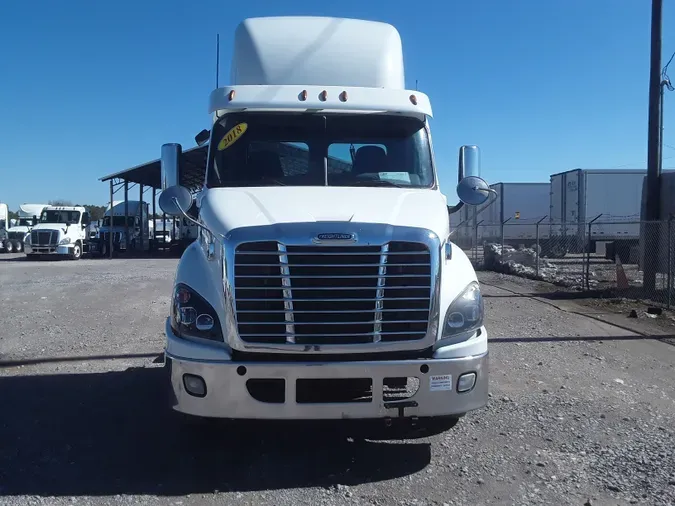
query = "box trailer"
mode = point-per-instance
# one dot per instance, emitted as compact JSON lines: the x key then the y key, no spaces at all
{"x":610,"y":197}
{"x":519,"y":206}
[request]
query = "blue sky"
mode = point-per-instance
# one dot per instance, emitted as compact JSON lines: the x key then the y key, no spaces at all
{"x":91,"y":88}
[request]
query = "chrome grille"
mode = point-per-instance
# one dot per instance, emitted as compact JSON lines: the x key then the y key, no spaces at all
{"x":332,"y":294}
{"x":43,"y":237}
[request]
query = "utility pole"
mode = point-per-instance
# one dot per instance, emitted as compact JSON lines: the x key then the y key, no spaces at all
{"x":653,"y":203}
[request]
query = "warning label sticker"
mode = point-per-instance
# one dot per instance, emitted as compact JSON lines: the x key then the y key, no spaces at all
{"x":232,"y":136}
{"x":440,"y":382}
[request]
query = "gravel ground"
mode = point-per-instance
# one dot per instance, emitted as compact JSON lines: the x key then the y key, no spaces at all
{"x":581,"y":412}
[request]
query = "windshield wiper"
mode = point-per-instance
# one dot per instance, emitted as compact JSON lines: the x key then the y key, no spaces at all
{"x":376,"y":182}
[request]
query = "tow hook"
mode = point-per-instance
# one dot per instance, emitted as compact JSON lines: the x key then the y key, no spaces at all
{"x":387,"y":422}
{"x":400,"y":406}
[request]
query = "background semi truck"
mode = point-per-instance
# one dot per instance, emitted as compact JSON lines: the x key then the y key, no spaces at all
{"x":4,"y":224}
{"x":28,"y":217}
{"x":62,"y":232}
{"x":321,"y":290}
{"x":129,"y":224}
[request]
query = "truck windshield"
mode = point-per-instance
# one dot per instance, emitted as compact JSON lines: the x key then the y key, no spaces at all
{"x":54,"y":216}
{"x":25,"y":222}
{"x":118,"y":221}
{"x":266,"y":149}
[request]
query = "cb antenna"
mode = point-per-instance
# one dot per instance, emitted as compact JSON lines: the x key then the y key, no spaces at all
{"x":217,"y":58}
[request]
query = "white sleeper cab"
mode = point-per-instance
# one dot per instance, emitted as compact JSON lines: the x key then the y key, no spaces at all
{"x":323,"y":283}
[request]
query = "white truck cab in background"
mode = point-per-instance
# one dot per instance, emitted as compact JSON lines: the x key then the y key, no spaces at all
{"x":4,"y":225}
{"x":29,"y":215}
{"x":323,"y":283}
{"x":132,"y":218}
{"x":61,"y":231}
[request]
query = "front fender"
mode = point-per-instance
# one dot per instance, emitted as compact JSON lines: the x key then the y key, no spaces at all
{"x":205,"y":277}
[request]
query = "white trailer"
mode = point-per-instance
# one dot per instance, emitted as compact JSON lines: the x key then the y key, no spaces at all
{"x":519,"y":206}
{"x":611,"y":197}
{"x":314,"y":293}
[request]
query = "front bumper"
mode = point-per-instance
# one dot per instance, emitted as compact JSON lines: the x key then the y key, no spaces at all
{"x":230,"y":391}
{"x":66,"y":249}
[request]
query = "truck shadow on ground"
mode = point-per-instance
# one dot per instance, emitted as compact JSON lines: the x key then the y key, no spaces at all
{"x":112,"y":433}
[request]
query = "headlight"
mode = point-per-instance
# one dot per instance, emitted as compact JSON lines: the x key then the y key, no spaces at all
{"x":65,"y":240}
{"x":192,"y":316}
{"x":465,"y":314}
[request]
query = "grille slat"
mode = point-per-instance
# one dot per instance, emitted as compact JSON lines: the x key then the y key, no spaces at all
{"x":332,"y":294}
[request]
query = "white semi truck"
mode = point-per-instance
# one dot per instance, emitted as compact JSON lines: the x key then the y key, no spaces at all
{"x":28,"y":216}
{"x":4,"y":224}
{"x":132,"y":218}
{"x":61,"y":232}
{"x":317,"y":292}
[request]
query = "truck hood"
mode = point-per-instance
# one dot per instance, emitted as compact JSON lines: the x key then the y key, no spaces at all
{"x":50,"y":226}
{"x":226,"y":209}
{"x":24,"y":230}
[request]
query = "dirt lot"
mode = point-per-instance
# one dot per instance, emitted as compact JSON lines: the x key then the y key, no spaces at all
{"x":581,"y":412}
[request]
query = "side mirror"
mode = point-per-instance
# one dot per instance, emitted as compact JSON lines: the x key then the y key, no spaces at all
{"x":469,"y":162}
{"x":175,"y":200}
{"x":472,"y":190}
{"x":202,"y":137}
{"x":170,"y":165}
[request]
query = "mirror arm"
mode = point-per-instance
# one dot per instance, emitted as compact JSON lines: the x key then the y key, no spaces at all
{"x":189,"y":218}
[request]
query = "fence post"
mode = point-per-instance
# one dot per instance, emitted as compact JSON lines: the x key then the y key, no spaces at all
{"x":538,"y":248}
{"x":670,"y":259}
{"x":588,"y":253}
{"x":504,"y":223}
{"x":475,"y":255}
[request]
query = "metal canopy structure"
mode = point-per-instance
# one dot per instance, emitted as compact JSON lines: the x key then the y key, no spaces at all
{"x":149,"y":174}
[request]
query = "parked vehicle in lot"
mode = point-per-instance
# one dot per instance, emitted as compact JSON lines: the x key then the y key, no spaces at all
{"x":132,"y":218}
{"x":16,"y":235}
{"x":314,"y":292}
{"x":512,"y":216}
{"x":4,"y":225}
{"x":61,"y":231}
{"x":611,"y":197}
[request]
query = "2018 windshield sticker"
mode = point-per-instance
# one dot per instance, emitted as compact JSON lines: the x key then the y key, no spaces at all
{"x":232,"y":136}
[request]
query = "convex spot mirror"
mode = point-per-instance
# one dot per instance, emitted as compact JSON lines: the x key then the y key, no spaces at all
{"x":175,"y":200}
{"x":473,"y":190}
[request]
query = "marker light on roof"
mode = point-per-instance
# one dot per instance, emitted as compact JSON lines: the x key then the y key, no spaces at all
{"x":323,"y":95}
{"x":343,"y":96}
{"x":413,"y":99}
{"x":230,"y":96}
{"x":303,"y":95}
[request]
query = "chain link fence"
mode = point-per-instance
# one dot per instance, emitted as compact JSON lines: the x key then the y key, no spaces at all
{"x":609,"y":258}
